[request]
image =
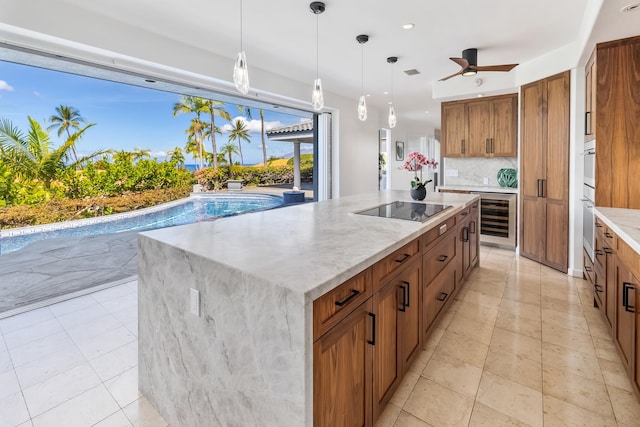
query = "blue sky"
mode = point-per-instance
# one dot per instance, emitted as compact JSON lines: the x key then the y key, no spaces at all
{"x":125,"y":116}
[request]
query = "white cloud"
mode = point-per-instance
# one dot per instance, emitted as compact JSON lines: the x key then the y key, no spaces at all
{"x":5,"y":86}
{"x":253,"y":125}
{"x":159,"y":154}
{"x":38,"y":94}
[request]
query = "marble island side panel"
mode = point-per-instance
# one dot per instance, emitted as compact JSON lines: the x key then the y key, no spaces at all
{"x":248,"y":359}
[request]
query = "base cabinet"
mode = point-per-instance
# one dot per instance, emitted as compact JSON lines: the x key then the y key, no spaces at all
{"x":625,"y":317}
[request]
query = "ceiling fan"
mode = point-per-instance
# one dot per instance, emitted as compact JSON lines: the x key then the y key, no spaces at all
{"x":469,"y":65}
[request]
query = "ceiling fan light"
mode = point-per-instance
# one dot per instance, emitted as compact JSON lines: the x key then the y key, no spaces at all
{"x":362,"y":109}
{"x":393,"y":120}
{"x":241,"y":73}
{"x":469,"y":72}
{"x":317,"y":98}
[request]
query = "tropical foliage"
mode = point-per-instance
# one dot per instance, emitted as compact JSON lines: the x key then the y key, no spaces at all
{"x":216,"y":179}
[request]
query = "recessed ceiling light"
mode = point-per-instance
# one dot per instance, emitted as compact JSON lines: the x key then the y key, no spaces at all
{"x":427,"y":112}
{"x":480,"y":95}
{"x":368,"y":94}
{"x":630,"y":7}
{"x":389,"y":102}
{"x":408,"y":26}
{"x":385,"y":92}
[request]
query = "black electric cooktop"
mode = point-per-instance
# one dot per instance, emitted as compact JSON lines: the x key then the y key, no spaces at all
{"x":411,"y":211}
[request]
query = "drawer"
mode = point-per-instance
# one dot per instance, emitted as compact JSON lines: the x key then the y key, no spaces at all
{"x":464,"y":214}
{"x":599,"y":287}
{"x":588,"y":268}
{"x":437,"y":294}
{"x":474,"y":208}
{"x":599,"y":253}
{"x":333,"y":306}
{"x":610,"y":238}
{"x":436,"y":259}
{"x":446,"y":227}
{"x":403,"y":256}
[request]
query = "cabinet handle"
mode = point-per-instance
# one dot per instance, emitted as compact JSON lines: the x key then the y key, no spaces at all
{"x":354,"y":292}
{"x":443,"y":258}
{"x":598,"y":288}
{"x":462,"y":141}
{"x":465,"y":234}
{"x":372,"y":341}
{"x":408,"y":292}
{"x":487,"y":147}
{"x":598,"y":252}
{"x":443,"y":296}
{"x":539,"y":188}
{"x":608,"y":251}
{"x":587,"y":268}
{"x":625,"y":297}
{"x":442,"y":230}
{"x":404,"y":298}
{"x":473,"y":229}
{"x":492,"y":146}
{"x":608,"y":235}
{"x":544,"y":189}
{"x":587,"y":123}
{"x":465,"y":213}
{"x":403,"y":259}
{"x":598,"y":225}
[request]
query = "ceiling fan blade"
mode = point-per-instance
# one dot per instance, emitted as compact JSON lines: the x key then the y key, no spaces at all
{"x":505,"y":67}
{"x":461,"y":62}
{"x":452,"y":75}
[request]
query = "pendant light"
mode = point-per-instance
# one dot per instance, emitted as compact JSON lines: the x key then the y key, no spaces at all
{"x":393,"y":120}
{"x":317,"y":97}
{"x":362,"y":104}
{"x":240,"y":70}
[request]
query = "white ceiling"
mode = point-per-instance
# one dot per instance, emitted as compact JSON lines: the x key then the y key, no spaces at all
{"x":279,"y":36}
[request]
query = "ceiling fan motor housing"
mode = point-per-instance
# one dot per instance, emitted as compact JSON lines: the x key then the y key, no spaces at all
{"x":471,"y":55}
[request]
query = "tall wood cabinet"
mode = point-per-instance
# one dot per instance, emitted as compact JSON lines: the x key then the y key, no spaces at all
{"x":480,"y":128}
{"x":590,"y":89}
{"x":544,"y":171}
{"x":618,"y":114}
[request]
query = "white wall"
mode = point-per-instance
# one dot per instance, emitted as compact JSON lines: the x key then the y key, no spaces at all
{"x":415,"y":138}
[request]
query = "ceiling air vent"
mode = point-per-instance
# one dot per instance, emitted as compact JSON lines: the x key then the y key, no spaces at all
{"x":411,"y":72}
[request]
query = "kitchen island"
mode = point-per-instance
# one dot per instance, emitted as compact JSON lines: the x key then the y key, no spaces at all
{"x":245,"y":357}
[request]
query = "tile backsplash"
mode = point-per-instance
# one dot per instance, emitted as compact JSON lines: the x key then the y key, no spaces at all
{"x":474,"y":170}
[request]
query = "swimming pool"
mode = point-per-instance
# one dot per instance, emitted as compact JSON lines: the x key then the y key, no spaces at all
{"x":186,"y":211}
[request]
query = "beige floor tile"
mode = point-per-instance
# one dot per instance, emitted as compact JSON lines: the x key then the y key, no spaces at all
{"x":605,"y":349}
{"x":510,"y":398}
{"x":522,"y":295}
{"x":564,"y":320}
{"x":473,"y":329}
{"x":428,"y":400}
{"x":583,"y":364}
{"x":519,"y":324}
{"x":445,"y":320}
{"x":454,"y":374}
{"x":142,"y":414}
{"x":482,"y":299}
{"x":515,"y":343}
{"x":567,"y":338}
{"x":477,"y":312}
{"x":434,"y":338}
{"x":600,"y":329}
{"x":562,"y":305}
{"x":490,"y":287}
{"x":421,"y":360}
{"x":467,"y":350}
{"x":521,"y":309}
{"x":625,"y":406}
{"x":404,"y":389}
{"x":388,"y":416}
{"x":583,"y":392}
{"x":558,"y":413}
{"x":515,"y":368}
{"x":483,"y":416}
{"x":405,"y":419}
{"x":615,"y":375}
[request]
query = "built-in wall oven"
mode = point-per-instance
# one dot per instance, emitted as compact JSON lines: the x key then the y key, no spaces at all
{"x":589,"y":197}
{"x":498,"y":218}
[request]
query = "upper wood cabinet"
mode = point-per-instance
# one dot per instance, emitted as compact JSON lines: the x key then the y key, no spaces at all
{"x":480,"y":128}
{"x":618,"y":115}
{"x":590,"y":90}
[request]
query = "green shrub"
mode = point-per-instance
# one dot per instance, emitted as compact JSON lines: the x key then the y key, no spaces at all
{"x":216,"y":179}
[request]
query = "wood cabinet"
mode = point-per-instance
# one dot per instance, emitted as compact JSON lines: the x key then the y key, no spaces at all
{"x":605,"y":271}
{"x":544,"y":171}
{"x":625,"y":316}
{"x":618,"y":111}
{"x":468,"y":238}
{"x":343,"y":371}
{"x":590,"y":90}
{"x":480,"y":128}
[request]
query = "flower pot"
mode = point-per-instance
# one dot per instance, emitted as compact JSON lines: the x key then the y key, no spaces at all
{"x":418,"y":193}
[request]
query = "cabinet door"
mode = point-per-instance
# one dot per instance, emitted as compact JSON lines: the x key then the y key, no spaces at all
{"x":590,"y":102}
{"x":388,"y":301}
{"x":504,"y":142}
{"x":479,"y":130}
{"x":342,"y":372}
{"x":453,"y":130}
{"x":610,"y":287}
{"x":464,"y":234}
{"x":635,"y":379}
{"x":625,"y":316}
{"x":409,"y":319}
{"x":474,"y":241}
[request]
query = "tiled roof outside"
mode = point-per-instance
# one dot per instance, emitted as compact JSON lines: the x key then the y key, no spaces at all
{"x":305,"y":126}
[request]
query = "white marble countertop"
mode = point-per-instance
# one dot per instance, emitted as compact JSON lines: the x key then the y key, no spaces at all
{"x":624,"y":222}
{"x":479,"y":188}
{"x":309,"y":248}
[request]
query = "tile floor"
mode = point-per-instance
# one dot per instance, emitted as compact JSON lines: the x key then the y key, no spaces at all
{"x":522,"y":345}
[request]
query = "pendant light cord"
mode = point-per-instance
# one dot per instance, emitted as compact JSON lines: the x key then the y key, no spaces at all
{"x":241,"y":29}
{"x":362,"y":68}
{"x":317,"y":44}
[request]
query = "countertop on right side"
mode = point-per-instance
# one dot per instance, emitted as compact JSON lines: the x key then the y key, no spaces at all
{"x":624,"y":222}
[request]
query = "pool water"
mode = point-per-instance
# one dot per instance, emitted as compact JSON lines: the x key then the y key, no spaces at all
{"x":193,"y":210}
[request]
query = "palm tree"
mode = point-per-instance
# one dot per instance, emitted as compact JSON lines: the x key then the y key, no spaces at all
{"x":140,"y":153}
{"x":247,"y":112}
{"x":195,"y":141}
{"x":32,"y":156}
{"x":239,"y":132}
{"x":229,"y":149}
{"x":197,"y":106}
{"x":66,"y":117}
{"x":215,"y":108}
{"x":176,"y":156}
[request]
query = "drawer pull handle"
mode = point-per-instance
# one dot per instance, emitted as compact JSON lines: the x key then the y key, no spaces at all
{"x":443,"y":229}
{"x":598,"y":252}
{"x":588,"y":269}
{"x":403,"y":259}
{"x":354,"y":292}
{"x":404,"y":298}
{"x":465,"y":234}
{"x":598,"y":225}
{"x":625,"y":297}
{"x":443,"y":296}
{"x":408,"y":292}
{"x":372,"y":341}
{"x":443,"y":258}
{"x":608,"y":235}
{"x":473,"y":229}
{"x":608,"y":251}
{"x":598,"y":288}
{"x":464,"y":213}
